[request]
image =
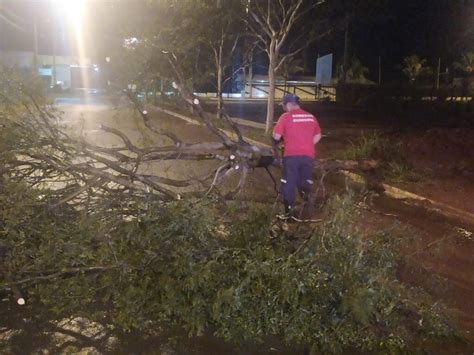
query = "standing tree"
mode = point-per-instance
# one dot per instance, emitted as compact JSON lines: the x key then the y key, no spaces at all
{"x":356,"y":72}
{"x":466,"y":64}
{"x":282,"y":30}
{"x":215,"y":28}
{"x":205,"y":35}
{"x":413,"y":67}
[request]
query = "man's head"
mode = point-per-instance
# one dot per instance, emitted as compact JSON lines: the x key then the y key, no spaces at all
{"x":290,"y":102}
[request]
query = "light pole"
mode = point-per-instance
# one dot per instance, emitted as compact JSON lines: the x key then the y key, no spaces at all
{"x":107,"y":72}
{"x":35,"y":44}
{"x":2,"y":32}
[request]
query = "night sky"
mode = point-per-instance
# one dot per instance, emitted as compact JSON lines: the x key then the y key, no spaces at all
{"x":433,"y":29}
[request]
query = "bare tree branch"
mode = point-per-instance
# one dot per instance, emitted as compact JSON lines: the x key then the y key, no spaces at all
{"x":62,"y":273}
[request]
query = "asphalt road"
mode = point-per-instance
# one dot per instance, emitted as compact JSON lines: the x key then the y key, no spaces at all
{"x":255,"y":111}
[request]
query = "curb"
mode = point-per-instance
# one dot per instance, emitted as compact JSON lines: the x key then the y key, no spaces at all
{"x":399,"y":194}
{"x":439,"y":207}
{"x":248,"y":123}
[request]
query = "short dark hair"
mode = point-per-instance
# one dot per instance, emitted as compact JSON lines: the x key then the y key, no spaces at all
{"x":291,"y":98}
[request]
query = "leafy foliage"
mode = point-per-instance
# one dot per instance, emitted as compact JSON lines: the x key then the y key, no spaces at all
{"x":203,"y":35}
{"x":466,"y":64}
{"x":373,"y":146}
{"x":172,"y":267}
{"x":357,"y":72}
{"x":413,"y":67}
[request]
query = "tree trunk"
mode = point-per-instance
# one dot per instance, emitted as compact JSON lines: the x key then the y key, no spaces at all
{"x":271,"y":92}
{"x":250,"y":77}
{"x":219,"y":90}
{"x":35,"y":40}
{"x":219,"y":66}
{"x":345,"y":62}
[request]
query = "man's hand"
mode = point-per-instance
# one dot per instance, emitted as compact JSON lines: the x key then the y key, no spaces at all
{"x":277,"y":138}
{"x":317,"y":138}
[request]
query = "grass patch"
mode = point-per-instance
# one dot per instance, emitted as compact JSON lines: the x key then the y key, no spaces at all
{"x":402,"y":172}
{"x":373,"y":146}
{"x":394,"y":165}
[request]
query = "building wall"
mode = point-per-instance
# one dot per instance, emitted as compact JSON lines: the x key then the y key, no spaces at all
{"x":25,"y":59}
{"x":63,"y":60}
{"x":63,"y":76}
{"x":57,"y":68}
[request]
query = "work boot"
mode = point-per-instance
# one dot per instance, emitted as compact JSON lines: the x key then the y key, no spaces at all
{"x":304,"y":195}
{"x":289,"y":213}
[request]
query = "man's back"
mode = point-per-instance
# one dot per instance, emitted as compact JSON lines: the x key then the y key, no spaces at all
{"x":298,"y":129}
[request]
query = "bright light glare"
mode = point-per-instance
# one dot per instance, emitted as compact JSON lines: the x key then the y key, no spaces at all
{"x":72,"y":9}
{"x":131,"y":42}
{"x":73,"y":12}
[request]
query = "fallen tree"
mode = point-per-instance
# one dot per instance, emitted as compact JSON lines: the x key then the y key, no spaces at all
{"x":86,"y":232}
{"x":81,"y":169}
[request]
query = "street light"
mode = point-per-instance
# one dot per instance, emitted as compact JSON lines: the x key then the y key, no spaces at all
{"x":73,"y":12}
{"x":72,"y":9}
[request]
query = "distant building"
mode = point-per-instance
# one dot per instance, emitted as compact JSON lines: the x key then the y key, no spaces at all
{"x":66,"y":72}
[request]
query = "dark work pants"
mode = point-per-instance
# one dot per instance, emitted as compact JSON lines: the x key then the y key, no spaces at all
{"x":297,"y":174}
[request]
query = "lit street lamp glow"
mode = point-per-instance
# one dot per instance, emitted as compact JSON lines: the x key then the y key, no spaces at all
{"x":72,"y":9}
{"x":73,"y":12}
